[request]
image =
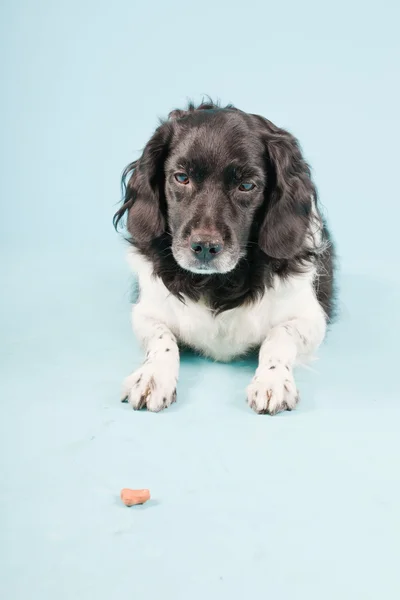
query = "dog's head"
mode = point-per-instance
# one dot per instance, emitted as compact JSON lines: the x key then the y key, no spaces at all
{"x":214,"y":182}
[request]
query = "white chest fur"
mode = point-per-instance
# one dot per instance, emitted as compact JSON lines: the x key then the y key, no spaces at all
{"x":231,"y":333}
{"x":224,"y":336}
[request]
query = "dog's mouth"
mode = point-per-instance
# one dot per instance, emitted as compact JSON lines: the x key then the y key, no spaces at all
{"x":205,"y":270}
{"x":200,"y":269}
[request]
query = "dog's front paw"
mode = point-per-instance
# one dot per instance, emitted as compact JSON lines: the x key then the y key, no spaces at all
{"x":272,"y":390}
{"x":152,"y":386}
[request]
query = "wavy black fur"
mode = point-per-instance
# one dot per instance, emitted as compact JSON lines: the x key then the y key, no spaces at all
{"x":277,"y":242}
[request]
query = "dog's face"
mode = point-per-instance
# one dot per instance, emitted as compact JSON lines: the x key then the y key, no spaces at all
{"x":215,"y":177}
{"x":215,"y":181}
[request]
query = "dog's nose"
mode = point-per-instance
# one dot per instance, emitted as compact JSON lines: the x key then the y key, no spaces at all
{"x":206,"y":247}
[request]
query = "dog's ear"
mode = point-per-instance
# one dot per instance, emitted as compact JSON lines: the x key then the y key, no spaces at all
{"x":144,"y":191}
{"x":290,"y":193}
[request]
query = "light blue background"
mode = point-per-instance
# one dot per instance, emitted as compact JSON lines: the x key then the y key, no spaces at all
{"x":302,"y":505}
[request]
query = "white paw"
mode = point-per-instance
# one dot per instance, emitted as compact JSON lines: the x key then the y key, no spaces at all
{"x":272,"y":389}
{"x":152,"y":386}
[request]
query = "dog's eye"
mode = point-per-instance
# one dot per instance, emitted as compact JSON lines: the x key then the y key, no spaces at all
{"x":246,"y":187}
{"x":182,"y":178}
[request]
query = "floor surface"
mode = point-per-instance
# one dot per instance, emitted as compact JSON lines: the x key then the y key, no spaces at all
{"x":301,"y":503}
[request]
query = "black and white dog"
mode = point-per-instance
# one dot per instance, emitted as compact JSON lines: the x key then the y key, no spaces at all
{"x":230,"y":250}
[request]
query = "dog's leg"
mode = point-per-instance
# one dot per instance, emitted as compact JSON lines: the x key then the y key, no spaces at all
{"x":273,"y":388}
{"x":153,"y":385}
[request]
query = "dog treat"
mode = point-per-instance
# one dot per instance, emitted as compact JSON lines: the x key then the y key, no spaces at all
{"x":132,"y":497}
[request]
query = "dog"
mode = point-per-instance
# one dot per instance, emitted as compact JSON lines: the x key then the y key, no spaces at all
{"x":231,"y":253}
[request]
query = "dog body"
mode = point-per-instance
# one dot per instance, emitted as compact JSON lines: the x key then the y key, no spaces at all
{"x":230,"y":251}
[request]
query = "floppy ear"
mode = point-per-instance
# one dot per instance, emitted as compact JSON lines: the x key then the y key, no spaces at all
{"x":290,"y":195}
{"x":144,"y":198}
